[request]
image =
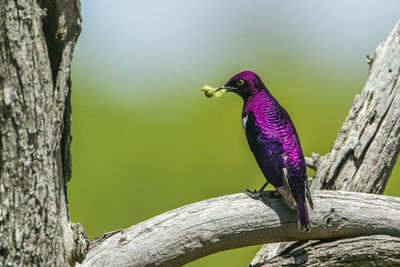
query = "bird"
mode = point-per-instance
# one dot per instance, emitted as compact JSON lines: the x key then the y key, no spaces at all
{"x":273,"y":139}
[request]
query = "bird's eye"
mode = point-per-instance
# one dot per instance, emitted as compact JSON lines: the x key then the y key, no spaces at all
{"x":240,"y":82}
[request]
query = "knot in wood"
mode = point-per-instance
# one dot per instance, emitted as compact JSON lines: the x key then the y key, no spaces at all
{"x":333,"y":220}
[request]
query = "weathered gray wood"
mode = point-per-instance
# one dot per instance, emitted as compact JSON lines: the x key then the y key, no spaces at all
{"x":367,"y":146}
{"x":377,"y":250}
{"x":193,"y":231}
{"x":36,"y":45}
{"x":368,"y":143}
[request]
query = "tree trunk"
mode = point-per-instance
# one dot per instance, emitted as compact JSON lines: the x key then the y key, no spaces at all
{"x":36,"y":44}
{"x":367,"y":146}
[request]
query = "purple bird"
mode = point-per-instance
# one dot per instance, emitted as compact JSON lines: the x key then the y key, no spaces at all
{"x":273,"y":140}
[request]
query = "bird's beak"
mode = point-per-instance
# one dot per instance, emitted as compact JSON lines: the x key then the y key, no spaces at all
{"x":227,"y":88}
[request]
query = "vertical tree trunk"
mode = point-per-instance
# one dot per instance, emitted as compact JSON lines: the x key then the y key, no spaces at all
{"x":36,"y":44}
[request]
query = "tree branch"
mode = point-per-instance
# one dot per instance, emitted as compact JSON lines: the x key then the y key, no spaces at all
{"x":196,"y":230}
{"x":367,"y":145}
{"x":359,"y":251}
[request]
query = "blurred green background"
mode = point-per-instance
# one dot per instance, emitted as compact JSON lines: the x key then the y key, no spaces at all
{"x":146,"y":140}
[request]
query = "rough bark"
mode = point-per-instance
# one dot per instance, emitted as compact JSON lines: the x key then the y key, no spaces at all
{"x":193,"y":231}
{"x":378,"y":250}
{"x":36,"y":44}
{"x":367,"y":146}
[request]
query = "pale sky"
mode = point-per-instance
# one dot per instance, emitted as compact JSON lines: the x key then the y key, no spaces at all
{"x":151,"y":42}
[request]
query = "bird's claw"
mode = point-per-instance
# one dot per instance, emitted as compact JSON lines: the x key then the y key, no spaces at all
{"x":255,"y":195}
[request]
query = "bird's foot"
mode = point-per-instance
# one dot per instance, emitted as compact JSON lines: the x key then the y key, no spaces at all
{"x":255,"y":195}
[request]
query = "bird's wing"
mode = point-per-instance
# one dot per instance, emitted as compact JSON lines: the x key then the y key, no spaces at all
{"x":295,"y":163}
{"x":297,"y":174}
{"x":267,"y":148}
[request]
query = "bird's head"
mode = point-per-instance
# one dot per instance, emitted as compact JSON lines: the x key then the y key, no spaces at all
{"x":245,"y":84}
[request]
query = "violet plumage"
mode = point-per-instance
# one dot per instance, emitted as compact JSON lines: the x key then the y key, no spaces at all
{"x":274,"y":142}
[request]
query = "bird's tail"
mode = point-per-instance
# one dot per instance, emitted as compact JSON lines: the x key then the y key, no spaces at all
{"x":302,"y":215}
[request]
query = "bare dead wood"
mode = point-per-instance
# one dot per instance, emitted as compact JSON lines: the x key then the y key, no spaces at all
{"x":377,"y":250}
{"x":367,"y":146}
{"x":36,"y":44}
{"x":193,"y":231}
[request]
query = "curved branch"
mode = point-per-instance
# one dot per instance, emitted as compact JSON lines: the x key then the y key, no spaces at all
{"x":359,"y":251}
{"x":193,"y":231}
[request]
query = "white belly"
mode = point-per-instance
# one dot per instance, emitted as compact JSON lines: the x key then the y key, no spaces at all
{"x":244,"y":122}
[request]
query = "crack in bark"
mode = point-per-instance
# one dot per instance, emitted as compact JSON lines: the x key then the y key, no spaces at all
{"x":34,"y":224}
{"x":329,"y":183}
{"x":372,"y":138}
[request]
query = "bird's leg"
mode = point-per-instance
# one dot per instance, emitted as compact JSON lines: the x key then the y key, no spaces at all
{"x":256,"y":194}
{"x":263,"y":187}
